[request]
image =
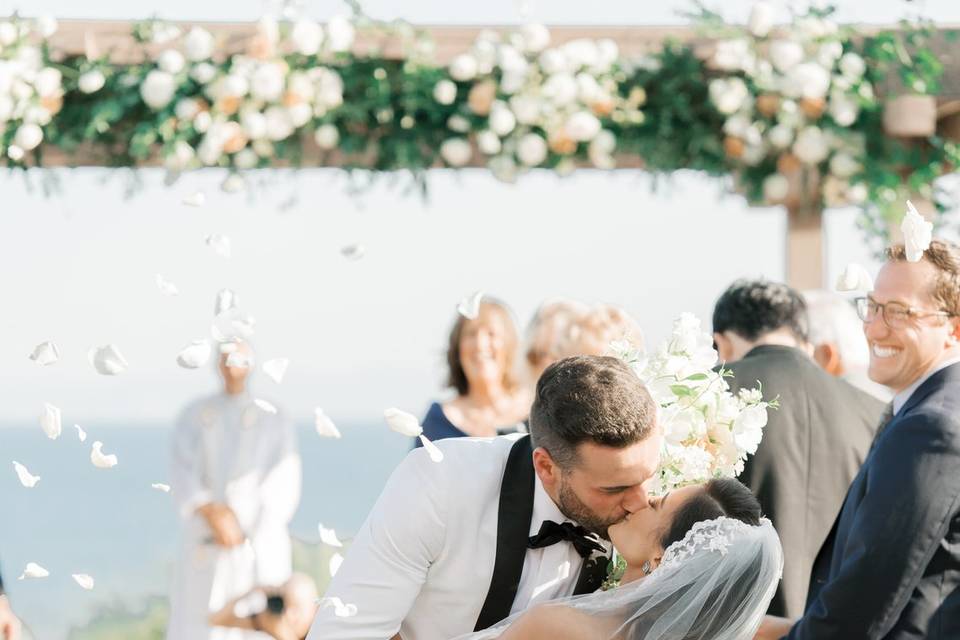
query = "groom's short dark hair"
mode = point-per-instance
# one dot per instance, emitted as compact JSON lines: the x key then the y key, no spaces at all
{"x":753,"y":308}
{"x":589,"y":398}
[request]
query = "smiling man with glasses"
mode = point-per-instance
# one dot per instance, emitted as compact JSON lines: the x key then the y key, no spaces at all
{"x":891,"y":567}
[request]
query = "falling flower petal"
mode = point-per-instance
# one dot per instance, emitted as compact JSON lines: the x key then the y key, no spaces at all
{"x":83,"y":580}
{"x":854,"y":278}
{"x":167,"y":288}
{"x":99,"y":459}
{"x":159,"y":486}
{"x":108,"y":360}
{"x":196,"y":199}
{"x":402,"y":422}
{"x":276,"y":369}
{"x":45,"y":353}
{"x":27,"y":479}
{"x":219,"y":243}
{"x":194,"y":355}
{"x":917,"y":233}
{"x":80,"y":433}
{"x":232,"y":325}
{"x":340,"y":609}
{"x":226,"y":300}
{"x":335,"y":561}
{"x":353,"y":251}
{"x":324,"y":425}
{"x":50,"y":421}
{"x":435,"y":454}
{"x":469,"y":307}
{"x":264,"y":405}
{"x":33,"y":570}
{"x":329,"y":536}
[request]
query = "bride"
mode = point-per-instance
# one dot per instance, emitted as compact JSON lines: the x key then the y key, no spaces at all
{"x":701,"y":565}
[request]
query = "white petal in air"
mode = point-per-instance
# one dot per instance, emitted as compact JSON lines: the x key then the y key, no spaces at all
{"x":324,"y":425}
{"x":917,"y":233}
{"x":340,"y":609}
{"x":108,"y":360}
{"x":100,"y":460}
{"x":33,"y":570}
{"x":402,"y":422}
{"x":226,"y":300}
{"x":469,"y":307}
{"x":45,"y":353}
{"x":264,"y":405}
{"x":353,"y":251}
{"x":276,"y":368}
{"x":220,"y":244}
{"x":83,"y":580}
{"x":167,"y":288}
{"x":197,"y":199}
{"x":27,"y":479}
{"x":854,"y":278}
{"x":194,"y":355}
{"x":81,"y":434}
{"x":159,"y":486}
{"x":335,"y":561}
{"x":50,"y":421}
{"x":329,"y":537}
{"x":435,"y":454}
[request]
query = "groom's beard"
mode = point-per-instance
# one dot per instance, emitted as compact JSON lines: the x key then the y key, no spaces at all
{"x":572,"y":507}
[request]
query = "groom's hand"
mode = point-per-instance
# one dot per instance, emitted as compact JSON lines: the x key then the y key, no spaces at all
{"x":223,"y":523}
{"x":773,"y":628}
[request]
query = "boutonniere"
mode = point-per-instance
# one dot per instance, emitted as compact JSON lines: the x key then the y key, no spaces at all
{"x":615,"y":570}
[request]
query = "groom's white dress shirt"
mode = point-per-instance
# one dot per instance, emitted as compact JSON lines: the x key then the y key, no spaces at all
{"x":423,"y":560}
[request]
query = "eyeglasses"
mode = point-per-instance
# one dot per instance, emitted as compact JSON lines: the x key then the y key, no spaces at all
{"x":895,"y":315}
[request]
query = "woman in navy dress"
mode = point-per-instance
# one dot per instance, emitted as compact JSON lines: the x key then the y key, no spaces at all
{"x":481,"y":357}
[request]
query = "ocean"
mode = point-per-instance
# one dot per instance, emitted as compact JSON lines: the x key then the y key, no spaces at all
{"x":111,"y":524}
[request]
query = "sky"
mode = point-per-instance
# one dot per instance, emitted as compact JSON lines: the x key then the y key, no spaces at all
{"x":78,"y":267}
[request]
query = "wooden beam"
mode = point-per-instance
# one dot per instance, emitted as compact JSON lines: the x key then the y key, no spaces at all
{"x":805,"y":259}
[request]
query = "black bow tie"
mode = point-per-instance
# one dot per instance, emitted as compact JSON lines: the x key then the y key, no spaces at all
{"x":583,"y":541}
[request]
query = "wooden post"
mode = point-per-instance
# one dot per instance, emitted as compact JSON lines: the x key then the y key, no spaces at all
{"x":805,"y":263}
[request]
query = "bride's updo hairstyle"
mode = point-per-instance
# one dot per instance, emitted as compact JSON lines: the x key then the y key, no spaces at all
{"x":719,"y":497}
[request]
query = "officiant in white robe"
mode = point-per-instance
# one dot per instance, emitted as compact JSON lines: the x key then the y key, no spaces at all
{"x":236,"y":477}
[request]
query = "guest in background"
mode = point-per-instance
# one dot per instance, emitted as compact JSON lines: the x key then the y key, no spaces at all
{"x":9,"y":624}
{"x":814,"y":444}
{"x":836,"y":334}
{"x":565,"y":328}
{"x":482,"y":360}
{"x":236,"y":480}
{"x":891,"y":568}
{"x":551,"y":331}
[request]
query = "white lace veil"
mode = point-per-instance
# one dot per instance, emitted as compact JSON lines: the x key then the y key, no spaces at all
{"x":715,"y":584}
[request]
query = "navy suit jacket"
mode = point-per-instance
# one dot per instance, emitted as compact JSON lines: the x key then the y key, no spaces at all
{"x":891,"y":566}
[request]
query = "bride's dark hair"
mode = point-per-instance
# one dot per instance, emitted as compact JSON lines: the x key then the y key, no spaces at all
{"x":719,"y":497}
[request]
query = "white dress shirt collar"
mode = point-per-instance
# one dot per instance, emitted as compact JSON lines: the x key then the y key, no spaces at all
{"x":901,"y":398}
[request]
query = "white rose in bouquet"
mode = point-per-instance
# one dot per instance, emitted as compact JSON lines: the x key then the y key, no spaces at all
{"x":709,"y":431}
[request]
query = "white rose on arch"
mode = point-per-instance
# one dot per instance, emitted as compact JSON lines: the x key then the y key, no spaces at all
{"x":807,"y":80}
{"x":785,"y":54}
{"x":811,"y":146}
{"x":463,"y":68}
{"x":456,"y":151}
{"x":198,"y":44}
{"x":728,"y":94}
{"x":532,"y":150}
{"x":582,"y":126}
{"x":157,"y":89}
{"x":445,"y":92}
{"x":502,"y":120}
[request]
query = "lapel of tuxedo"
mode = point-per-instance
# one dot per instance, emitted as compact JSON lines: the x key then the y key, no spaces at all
{"x":513,"y":529}
{"x":592,"y":573}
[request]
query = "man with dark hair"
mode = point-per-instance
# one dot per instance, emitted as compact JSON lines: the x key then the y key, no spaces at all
{"x":814,"y":444}
{"x":891,"y":567}
{"x":501,"y":524}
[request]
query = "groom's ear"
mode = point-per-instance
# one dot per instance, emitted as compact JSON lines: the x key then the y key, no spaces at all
{"x":546,"y":467}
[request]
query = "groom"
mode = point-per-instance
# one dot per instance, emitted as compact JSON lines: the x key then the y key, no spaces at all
{"x":501,"y":524}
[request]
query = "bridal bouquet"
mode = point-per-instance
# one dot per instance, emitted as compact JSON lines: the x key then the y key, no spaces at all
{"x":708,"y":430}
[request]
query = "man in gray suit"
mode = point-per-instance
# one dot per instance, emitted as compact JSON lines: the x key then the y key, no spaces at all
{"x":813,"y":445}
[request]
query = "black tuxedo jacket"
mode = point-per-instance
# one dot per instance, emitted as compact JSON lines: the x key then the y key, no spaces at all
{"x":812,"y":448}
{"x":891,"y":568}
